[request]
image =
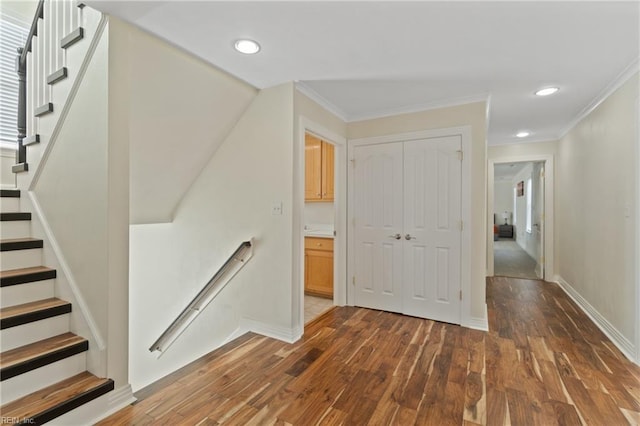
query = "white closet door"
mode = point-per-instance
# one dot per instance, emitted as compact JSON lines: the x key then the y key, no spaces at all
{"x":432,"y":234}
{"x":378,"y":226}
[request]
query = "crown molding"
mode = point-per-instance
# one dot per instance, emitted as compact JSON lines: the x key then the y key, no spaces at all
{"x":421,"y":107}
{"x":320,"y":100}
{"x":607,"y":91}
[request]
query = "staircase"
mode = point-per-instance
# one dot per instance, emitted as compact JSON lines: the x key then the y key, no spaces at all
{"x":42,"y":365}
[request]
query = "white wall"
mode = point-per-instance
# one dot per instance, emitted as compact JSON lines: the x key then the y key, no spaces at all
{"x":470,"y":114}
{"x":81,"y":196}
{"x":596,"y":224}
{"x":229,"y":202}
{"x":184,"y":108}
{"x":7,"y":159}
{"x":319,"y":213}
{"x":502,"y":200}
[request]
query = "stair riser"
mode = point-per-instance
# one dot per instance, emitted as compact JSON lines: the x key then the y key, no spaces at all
{"x":19,"y":386}
{"x":20,"y":258}
{"x":25,"y":293}
{"x":10,"y":204}
{"x":30,"y":333}
{"x":15,"y":229}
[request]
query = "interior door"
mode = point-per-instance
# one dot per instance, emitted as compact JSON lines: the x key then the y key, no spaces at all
{"x":539,"y":226}
{"x":378,"y":244}
{"x":432,"y":234}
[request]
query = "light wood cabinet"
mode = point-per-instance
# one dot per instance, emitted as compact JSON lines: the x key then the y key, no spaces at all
{"x":319,"y":169}
{"x":318,"y":266}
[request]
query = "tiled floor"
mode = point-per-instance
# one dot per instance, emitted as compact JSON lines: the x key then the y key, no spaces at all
{"x":314,"y":306}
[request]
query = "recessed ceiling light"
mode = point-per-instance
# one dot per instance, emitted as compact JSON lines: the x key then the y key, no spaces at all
{"x":246,"y":46}
{"x":522,"y":134}
{"x":547,"y":91}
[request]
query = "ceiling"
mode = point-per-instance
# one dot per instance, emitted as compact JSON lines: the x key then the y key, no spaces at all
{"x":370,"y":59}
{"x":508,"y":171}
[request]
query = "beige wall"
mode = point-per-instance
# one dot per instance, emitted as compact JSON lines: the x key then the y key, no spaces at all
{"x":184,"y":108}
{"x":596,"y":189}
{"x":230,"y":202}
{"x":473,"y":115}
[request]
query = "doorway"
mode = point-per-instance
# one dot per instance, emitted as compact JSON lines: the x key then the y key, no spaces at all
{"x":520,"y":214}
{"x":518,"y":211}
{"x":319,"y":225}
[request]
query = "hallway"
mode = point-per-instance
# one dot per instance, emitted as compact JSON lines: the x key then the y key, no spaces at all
{"x":510,"y":260}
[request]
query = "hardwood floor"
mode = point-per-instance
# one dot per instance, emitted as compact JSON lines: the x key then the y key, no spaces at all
{"x":542,"y":363}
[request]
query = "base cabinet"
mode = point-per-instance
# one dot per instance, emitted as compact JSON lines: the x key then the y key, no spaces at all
{"x":318,"y":266}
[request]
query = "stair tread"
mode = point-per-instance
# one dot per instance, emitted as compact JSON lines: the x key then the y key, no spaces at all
{"x":38,"y":349}
{"x":52,"y":396}
{"x":18,"y":240}
{"x":25,"y":308}
{"x":24,"y":271}
{"x":11,"y":277}
{"x":10,"y":244}
{"x":14,"y":216}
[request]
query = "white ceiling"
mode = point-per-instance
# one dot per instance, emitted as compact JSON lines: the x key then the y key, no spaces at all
{"x":508,"y":171}
{"x":369,"y":59}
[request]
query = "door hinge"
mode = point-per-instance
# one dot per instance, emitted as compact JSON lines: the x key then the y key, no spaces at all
{"x":353,"y":162}
{"x":460,"y":294}
{"x":460,"y":155}
{"x":461,"y":225}
{"x":353,"y":280}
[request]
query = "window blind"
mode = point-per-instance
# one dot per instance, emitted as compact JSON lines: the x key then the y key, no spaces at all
{"x":13,"y":34}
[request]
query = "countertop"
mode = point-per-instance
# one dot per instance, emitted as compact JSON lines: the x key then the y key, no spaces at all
{"x":319,"y":231}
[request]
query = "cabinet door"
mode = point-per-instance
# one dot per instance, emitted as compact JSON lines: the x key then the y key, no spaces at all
{"x":318,"y":272}
{"x":327,"y":171}
{"x":313,"y":168}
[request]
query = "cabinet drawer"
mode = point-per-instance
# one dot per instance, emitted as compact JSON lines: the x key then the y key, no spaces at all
{"x":315,"y":243}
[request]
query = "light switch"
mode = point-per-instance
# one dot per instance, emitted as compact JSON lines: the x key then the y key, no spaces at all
{"x":276,"y":209}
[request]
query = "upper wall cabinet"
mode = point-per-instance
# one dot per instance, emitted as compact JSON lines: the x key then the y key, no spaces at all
{"x":319,"y":159}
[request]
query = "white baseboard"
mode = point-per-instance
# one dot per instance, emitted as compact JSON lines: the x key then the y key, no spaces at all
{"x":98,"y":409}
{"x":288,"y":335}
{"x":621,"y":342}
{"x":477,"y":323}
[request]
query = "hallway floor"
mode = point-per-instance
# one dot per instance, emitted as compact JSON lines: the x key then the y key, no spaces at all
{"x":510,"y":260}
{"x":543,"y":362}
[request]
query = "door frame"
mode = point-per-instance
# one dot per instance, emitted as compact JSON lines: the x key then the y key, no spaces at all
{"x":306,"y":125}
{"x":465,"y":247}
{"x":549,"y":271}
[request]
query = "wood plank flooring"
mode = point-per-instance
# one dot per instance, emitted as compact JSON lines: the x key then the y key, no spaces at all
{"x":542,"y":363}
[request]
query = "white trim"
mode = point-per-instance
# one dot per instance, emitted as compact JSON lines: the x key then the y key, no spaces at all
{"x":317,"y":98}
{"x":607,"y":91}
{"x":549,"y":220}
{"x":285,"y":334}
{"x":390,"y":112}
{"x":340,"y":287}
{"x":520,"y":142}
{"x":476,"y":323}
{"x":618,"y":339}
{"x":66,"y":271}
{"x":104,"y":406}
{"x":465,"y":250}
{"x":304,"y":88}
{"x":637,"y":210}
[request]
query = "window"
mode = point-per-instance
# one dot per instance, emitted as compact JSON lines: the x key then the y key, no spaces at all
{"x":13,"y":34}
{"x":528,"y":211}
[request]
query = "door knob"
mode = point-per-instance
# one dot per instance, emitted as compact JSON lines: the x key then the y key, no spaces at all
{"x":409,"y":237}
{"x":397,"y":236}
